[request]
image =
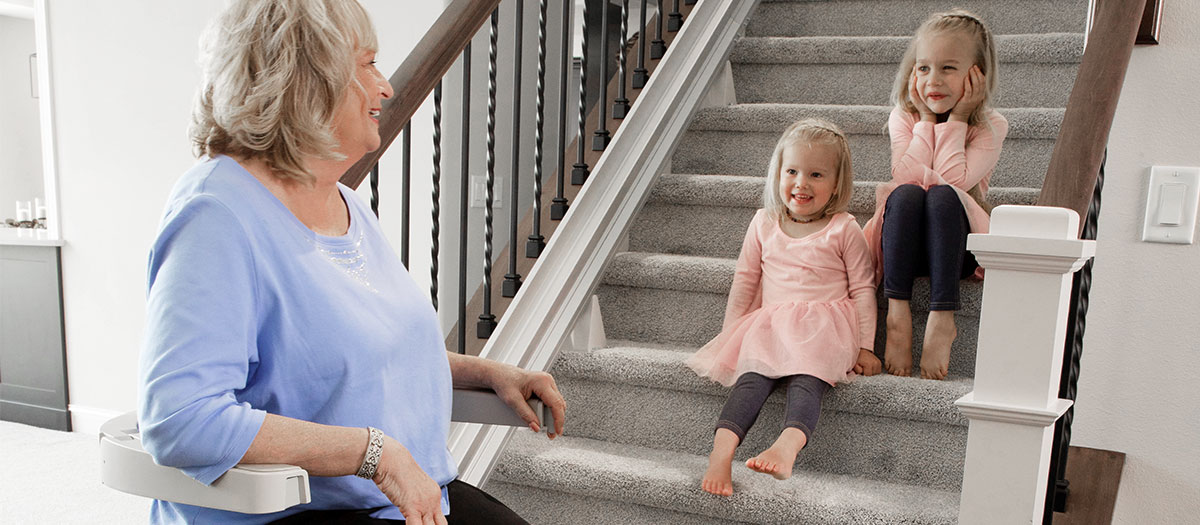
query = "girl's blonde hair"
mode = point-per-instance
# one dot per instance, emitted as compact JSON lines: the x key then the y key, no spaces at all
{"x":955,"y":21}
{"x":274,"y":72}
{"x":811,"y":131}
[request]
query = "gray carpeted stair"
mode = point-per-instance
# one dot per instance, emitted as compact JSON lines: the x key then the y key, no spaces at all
{"x":888,"y":449}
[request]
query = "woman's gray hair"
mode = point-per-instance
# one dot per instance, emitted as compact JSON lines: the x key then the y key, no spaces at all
{"x":808,"y":132}
{"x":955,"y":21}
{"x":274,"y":72}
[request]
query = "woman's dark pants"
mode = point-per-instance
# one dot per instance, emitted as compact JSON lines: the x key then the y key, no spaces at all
{"x":925,"y":234}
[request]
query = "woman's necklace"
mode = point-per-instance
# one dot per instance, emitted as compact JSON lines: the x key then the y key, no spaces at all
{"x":802,"y":220}
{"x":350,"y":260}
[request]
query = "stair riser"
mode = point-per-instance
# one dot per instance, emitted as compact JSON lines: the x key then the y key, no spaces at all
{"x":902,"y":18}
{"x":546,"y":506}
{"x":658,"y":316}
{"x":1021,"y":84}
{"x":717,"y":231}
{"x":886,"y":449}
{"x":1022,"y":162}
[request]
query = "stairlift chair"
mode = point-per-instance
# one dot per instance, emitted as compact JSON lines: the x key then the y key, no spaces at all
{"x":255,"y":489}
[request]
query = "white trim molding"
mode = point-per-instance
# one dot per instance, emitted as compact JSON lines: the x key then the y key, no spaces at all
{"x":1029,"y":257}
{"x":561,"y":283}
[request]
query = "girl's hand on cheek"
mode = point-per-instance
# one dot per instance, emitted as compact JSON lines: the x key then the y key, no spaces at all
{"x":915,"y":97}
{"x":974,"y":90}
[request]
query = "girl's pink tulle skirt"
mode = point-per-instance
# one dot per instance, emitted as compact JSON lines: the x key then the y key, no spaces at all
{"x":782,"y":339}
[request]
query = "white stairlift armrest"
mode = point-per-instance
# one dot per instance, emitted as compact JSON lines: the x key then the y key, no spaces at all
{"x":255,"y":489}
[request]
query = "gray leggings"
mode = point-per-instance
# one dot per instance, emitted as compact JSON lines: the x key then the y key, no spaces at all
{"x":746,"y":399}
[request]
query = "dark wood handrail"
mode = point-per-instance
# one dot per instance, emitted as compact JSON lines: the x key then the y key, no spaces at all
{"x":1079,"y":150}
{"x":415,"y":79}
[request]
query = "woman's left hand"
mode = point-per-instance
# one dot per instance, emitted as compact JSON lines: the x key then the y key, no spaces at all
{"x":974,"y":91}
{"x":515,"y":386}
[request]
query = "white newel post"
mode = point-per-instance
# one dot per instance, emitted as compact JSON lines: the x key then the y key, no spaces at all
{"x":1029,"y":257}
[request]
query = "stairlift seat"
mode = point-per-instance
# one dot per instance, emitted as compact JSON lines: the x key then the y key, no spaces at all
{"x":255,"y":489}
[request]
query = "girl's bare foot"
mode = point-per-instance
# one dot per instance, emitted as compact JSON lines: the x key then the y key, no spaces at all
{"x":718,"y":479}
{"x":778,"y":460}
{"x":897,"y":355}
{"x":940,"y":332}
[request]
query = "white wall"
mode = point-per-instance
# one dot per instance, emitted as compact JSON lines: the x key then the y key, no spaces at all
{"x":1140,"y":379}
{"x":125,"y":73}
{"x":20,"y":132}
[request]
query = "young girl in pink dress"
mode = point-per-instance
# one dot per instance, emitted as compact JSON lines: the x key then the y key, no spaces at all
{"x":801,"y":309}
{"x":945,"y":142}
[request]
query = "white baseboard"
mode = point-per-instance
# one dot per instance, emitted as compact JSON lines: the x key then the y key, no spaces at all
{"x":87,"y":420}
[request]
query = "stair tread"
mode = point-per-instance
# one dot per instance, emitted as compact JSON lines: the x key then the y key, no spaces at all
{"x":1041,"y":48}
{"x":663,"y":367}
{"x":745,"y":191}
{"x":773,"y":117}
{"x":671,"y":480}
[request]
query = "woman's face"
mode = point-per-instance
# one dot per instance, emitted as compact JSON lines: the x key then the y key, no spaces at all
{"x":943,"y":61}
{"x":356,"y":119}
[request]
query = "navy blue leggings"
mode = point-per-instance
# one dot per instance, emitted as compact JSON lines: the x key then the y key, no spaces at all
{"x":804,"y":393}
{"x":925,"y":234}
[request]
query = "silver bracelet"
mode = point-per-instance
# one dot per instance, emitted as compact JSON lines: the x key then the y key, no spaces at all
{"x":374,"y":450}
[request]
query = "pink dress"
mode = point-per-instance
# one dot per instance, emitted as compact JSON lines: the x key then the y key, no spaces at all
{"x":796,"y":306}
{"x":949,"y":153}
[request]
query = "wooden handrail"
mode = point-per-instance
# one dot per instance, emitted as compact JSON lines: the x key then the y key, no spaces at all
{"x":1082,"y":140}
{"x":419,"y":74}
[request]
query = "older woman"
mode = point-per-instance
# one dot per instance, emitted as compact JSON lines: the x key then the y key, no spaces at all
{"x":281,"y":327}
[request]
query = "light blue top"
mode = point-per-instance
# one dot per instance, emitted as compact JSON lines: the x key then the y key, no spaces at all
{"x":249,"y":312}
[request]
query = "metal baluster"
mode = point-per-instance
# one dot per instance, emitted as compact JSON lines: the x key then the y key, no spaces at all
{"x":579,"y":173}
{"x":675,"y":20}
{"x":535,"y":243}
{"x":559,"y":207}
{"x":437,"y":194}
{"x":1058,"y":488}
{"x":621,"y":105}
{"x":640,"y":74}
{"x":406,"y":187}
{"x":658,"y":47}
{"x":601,"y":138}
{"x":487,"y":321}
{"x":462,"y":202}
{"x":512,"y":279}
{"x":375,"y":189}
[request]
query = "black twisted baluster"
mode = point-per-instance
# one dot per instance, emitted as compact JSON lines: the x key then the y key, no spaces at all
{"x":658,"y":47}
{"x":406,"y":187}
{"x":621,"y":104}
{"x":535,"y":242}
{"x":640,"y":74}
{"x":559,"y":207}
{"x":675,"y":20}
{"x":487,"y":321}
{"x":1058,"y":489}
{"x":601,"y":137}
{"x":375,"y":189}
{"x":512,"y":279}
{"x":464,"y":183}
{"x":580,"y":172}
{"x":437,"y":193}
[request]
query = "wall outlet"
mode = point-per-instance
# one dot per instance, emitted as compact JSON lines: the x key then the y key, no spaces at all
{"x":1171,"y":205}
{"x":479,"y":191}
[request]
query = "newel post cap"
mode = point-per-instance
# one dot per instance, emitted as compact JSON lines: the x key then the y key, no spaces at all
{"x":1039,"y":239}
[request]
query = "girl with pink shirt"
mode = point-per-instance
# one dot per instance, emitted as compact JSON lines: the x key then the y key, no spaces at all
{"x":945,"y":142}
{"x":801,"y":310}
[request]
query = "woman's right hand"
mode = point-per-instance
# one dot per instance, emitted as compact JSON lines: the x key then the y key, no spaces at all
{"x":923,"y":111}
{"x":408,"y":487}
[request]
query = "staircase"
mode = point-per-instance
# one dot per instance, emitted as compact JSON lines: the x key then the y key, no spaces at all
{"x":888,"y":449}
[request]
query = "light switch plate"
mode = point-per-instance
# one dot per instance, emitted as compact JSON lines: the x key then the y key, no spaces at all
{"x":1171,"y":204}
{"x":478,"y":194}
